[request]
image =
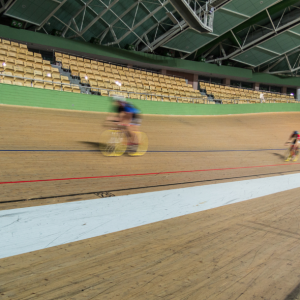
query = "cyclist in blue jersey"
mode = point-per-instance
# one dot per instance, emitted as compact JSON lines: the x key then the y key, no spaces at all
{"x":128,"y":116}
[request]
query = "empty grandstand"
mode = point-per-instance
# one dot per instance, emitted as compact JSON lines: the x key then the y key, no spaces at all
{"x":93,"y":70}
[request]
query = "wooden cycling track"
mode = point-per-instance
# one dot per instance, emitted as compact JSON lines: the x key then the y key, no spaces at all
{"x":248,"y":250}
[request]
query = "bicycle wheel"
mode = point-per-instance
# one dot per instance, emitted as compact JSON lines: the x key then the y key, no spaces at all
{"x":142,"y":144}
{"x":113,"y":143}
{"x":287,"y":155}
{"x":296,"y":156}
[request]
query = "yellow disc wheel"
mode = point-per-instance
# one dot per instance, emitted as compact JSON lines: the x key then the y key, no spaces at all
{"x":287,"y":155}
{"x":296,"y":156}
{"x":113,"y":143}
{"x":142,"y":147}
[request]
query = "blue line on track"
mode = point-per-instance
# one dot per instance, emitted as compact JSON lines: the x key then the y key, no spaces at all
{"x":158,"y":151}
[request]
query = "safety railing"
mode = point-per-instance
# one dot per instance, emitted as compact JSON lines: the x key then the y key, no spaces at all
{"x":255,"y":101}
{"x":109,"y":92}
{"x":145,"y":96}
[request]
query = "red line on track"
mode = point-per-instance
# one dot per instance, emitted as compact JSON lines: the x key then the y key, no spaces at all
{"x":145,"y":174}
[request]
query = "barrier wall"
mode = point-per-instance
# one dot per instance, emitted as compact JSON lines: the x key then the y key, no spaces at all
{"x":32,"y":97}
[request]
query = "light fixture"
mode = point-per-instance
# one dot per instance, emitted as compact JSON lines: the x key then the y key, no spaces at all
{"x":86,"y":78}
{"x":118,"y":83}
{"x":292,"y":94}
{"x":4,"y":64}
{"x":49,"y":75}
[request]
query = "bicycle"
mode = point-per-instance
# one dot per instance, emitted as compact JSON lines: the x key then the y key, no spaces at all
{"x":114,"y":142}
{"x":291,"y":154}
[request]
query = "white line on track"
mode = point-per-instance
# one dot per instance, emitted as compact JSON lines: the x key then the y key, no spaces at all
{"x":29,"y":229}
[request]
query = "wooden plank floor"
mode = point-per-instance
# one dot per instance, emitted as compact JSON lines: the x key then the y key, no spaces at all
{"x":247,"y":250}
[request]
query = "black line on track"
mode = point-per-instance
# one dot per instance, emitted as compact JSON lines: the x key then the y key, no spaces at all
{"x":151,"y":151}
{"x":146,"y":187}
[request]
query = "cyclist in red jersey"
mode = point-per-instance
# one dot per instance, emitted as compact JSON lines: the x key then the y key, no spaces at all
{"x":295,"y":137}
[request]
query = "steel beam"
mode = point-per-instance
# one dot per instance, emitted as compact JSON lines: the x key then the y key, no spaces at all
{"x":288,"y":62}
{"x":223,"y":50}
{"x":66,"y":25}
{"x":211,"y":49}
{"x":232,"y":28}
{"x":280,"y":60}
{"x":138,"y":24}
{"x":236,"y":39}
{"x":234,"y":12}
{"x":6,"y":6}
{"x":77,"y":14}
{"x":271,"y":20}
{"x":52,"y":14}
{"x":274,"y":65}
{"x":260,"y":40}
{"x":75,"y":24}
{"x":98,"y":17}
{"x":167,"y":35}
{"x":151,"y":28}
{"x":114,"y":34}
{"x":153,"y":16}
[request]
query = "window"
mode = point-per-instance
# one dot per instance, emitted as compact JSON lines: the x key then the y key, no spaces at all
{"x":210,"y":79}
{"x":275,"y":89}
{"x":203,"y":78}
{"x":241,"y":84}
{"x":263,"y":87}
{"x":216,"y":80}
{"x":235,"y":83}
{"x":247,"y":85}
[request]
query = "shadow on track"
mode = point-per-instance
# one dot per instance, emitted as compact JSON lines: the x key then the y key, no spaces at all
{"x":92,"y":145}
{"x":279,"y":155}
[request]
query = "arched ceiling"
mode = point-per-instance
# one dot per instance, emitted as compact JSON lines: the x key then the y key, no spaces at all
{"x":263,"y":35}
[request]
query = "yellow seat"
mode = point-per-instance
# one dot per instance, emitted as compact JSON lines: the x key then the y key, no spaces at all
{"x":38,"y":77}
{"x":54,"y":70}
{"x":7,"y":80}
{"x":22,"y":46}
{"x":58,"y":59}
{"x":47,"y":68}
{"x":49,"y":86}
{"x":65,"y":79}
{"x":19,"y":74}
{"x":29,"y":59}
{"x":38,"y":72}
{"x":67,"y":89}
{"x":76,"y":89}
{"x":38,"y":85}
{"x":56,"y":87}
{"x":56,"y":77}
{"x":27,"y":83}
{"x":19,"y":82}
{"x":84,"y":80}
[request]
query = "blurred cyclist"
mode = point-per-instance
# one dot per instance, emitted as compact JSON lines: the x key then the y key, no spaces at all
{"x":127,"y":115}
{"x":295,"y":137}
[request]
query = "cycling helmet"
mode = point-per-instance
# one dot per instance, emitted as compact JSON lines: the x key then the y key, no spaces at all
{"x":296,"y":132}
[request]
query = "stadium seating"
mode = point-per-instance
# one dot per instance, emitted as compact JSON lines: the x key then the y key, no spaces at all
{"x":29,"y":69}
{"x":21,"y":67}
{"x":230,"y":95}
{"x":128,"y":82}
